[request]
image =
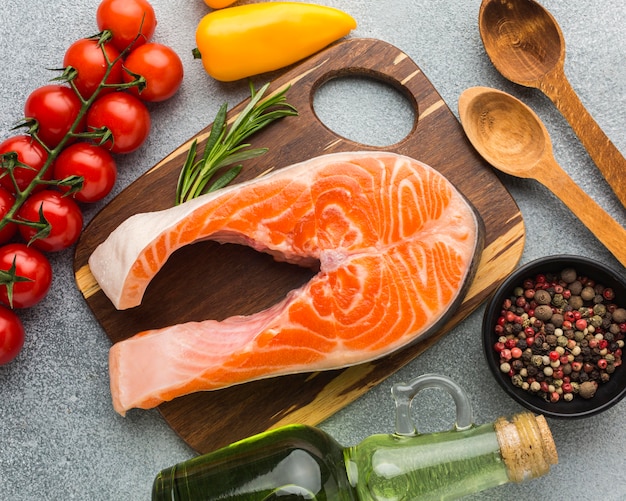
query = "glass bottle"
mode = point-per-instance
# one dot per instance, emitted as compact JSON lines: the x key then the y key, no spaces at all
{"x":299,"y":462}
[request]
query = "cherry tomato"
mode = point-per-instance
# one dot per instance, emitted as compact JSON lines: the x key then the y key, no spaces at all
{"x":29,"y":152}
{"x":55,"y":107}
{"x":86,"y":56}
{"x":160,"y":66}
{"x":126,"y":117}
{"x":11,"y":335}
{"x":126,"y":19}
{"x":30,"y":264}
{"x":63,"y":215}
{"x":95,"y":164}
{"x":6,"y":202}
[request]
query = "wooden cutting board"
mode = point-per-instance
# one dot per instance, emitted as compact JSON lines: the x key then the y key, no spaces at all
{"x":206,"y":280}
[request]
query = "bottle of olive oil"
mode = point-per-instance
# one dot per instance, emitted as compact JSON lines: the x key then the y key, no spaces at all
{"x":299,"y":462}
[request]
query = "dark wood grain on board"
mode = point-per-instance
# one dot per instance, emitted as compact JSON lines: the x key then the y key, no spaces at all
{"x":207,"y":280}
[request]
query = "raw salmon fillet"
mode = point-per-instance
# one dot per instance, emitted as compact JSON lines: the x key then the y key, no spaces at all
{"x":395,"y":244}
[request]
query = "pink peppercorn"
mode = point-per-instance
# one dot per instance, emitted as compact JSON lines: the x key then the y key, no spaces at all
{"x":567,"y":387}
{"x":516,"y":352}
{"x":554,"y":397}
{"x":581,"y":324}
{"x":602,"y":364}
{"x":554,"y":355}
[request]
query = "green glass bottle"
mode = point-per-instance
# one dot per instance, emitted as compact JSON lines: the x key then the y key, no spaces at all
{"x":300,"y":462}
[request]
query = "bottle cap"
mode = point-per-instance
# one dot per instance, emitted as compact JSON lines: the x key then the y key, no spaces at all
{"x":526,"y":445}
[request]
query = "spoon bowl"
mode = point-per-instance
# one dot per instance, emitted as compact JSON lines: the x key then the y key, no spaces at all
{"x":512,"y":138}
{"x":504,"y":130}
{"x":522,"y":39}
{"x":526,"y":45}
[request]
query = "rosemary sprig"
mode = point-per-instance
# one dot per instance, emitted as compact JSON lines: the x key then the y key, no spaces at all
{"x":225,"y":146}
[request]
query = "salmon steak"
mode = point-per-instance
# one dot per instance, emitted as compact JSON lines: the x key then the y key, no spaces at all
{"x":393,"y":243}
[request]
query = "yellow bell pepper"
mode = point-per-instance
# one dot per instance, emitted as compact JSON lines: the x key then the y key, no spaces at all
{"x":219,"y":4}
{"x":246,"y":40}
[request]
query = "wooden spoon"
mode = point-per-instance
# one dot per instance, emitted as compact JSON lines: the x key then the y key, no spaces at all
{"x":512,"y":138}
{"x":526,"y":45}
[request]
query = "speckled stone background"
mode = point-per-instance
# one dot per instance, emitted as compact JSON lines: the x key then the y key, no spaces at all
{"x":59,"y":436}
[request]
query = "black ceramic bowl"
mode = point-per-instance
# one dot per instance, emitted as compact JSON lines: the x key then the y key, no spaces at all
{"x":607,"y":394}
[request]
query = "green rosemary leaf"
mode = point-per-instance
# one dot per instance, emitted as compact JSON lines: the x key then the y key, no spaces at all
{"x":185,"y":172}
{"x":225,"y":178}
{"x":225,"y":145}
{"x":242,"y":156}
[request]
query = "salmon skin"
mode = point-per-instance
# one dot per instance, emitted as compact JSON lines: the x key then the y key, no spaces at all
{"x":394,"y":240}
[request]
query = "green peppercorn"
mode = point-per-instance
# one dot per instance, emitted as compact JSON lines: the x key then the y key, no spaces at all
{"x":599,"y":310}
{"x":558,"y":300}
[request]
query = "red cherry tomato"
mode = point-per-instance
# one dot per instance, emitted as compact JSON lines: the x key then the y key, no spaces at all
{"x":55,"y":107}
{"x":31,"y":264}
{"x":87,"y":57}
{"x":96,"y":166}
{"x":29,"y":152}
{"x":160,"y":66}
{"x":11,"y":335}
{"x":62,"y":214}
{"x":126,"y":19}
{"x":6,"y":202}
{"x":125,"y":116}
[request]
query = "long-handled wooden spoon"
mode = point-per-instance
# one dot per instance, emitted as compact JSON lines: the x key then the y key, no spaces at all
{"x":526,"y":45}
{"x":512,"y":138}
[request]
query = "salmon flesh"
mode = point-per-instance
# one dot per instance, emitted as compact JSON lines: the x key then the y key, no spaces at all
{"x":394,"y":240}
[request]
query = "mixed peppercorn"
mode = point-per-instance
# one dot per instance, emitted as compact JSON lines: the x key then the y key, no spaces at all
{"x":560,"y":335}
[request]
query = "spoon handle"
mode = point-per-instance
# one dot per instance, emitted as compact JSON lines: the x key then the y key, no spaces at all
{"x":602,"y":151}
{"x":608,"y":231}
